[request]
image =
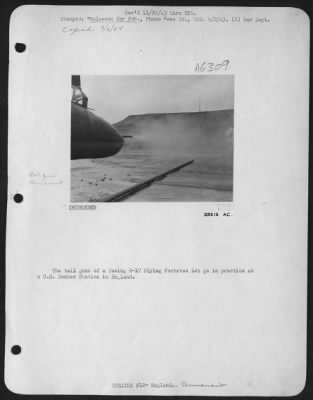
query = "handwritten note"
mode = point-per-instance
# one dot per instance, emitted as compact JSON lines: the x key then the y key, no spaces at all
{"x":41,"y":178}
{"x":117,"y":22}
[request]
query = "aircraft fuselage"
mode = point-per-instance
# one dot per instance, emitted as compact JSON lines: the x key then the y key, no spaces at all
{"x":92,"y":136}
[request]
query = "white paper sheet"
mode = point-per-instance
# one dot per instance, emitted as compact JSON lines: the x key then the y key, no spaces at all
{"x":156,"y":294}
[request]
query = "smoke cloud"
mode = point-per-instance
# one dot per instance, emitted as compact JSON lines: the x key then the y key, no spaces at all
{"x":201,"y":134}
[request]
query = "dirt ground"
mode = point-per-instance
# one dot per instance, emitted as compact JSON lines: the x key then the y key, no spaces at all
{"x":159,"y":144}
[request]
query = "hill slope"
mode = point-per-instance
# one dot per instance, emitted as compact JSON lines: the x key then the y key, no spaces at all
{"x":192,"y":132}
{"x":207,"y":121}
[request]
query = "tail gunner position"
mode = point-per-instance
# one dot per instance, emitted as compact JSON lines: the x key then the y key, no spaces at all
{"x":92,"y":136}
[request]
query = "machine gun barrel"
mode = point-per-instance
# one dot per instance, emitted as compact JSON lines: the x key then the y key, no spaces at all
{"x":135,"y":188}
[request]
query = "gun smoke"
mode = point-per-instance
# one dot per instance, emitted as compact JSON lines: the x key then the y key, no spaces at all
{"x":190,"y":134}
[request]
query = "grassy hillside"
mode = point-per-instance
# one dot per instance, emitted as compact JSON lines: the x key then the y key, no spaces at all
{"x":209,"y":132}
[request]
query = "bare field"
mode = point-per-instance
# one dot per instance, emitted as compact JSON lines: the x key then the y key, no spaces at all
{"x":161,"y":142}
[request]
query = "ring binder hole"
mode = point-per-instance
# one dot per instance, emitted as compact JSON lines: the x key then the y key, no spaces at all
{"x":20,"y":47}
{"x":18,"y":198}
{"x":16,"y":349}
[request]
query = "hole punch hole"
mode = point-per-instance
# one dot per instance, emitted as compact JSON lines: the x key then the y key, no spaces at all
{"x":18,"y":198}
{"x":20,"y":47}
{"x":16,"y":349}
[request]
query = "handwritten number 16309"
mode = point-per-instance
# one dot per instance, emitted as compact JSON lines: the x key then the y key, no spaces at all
{"x":211,"y":67}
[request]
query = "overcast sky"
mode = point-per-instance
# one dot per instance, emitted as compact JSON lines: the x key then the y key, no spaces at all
{"x":116,"y":97}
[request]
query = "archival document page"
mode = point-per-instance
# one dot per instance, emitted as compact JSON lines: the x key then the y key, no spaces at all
{"x":157,"y":201}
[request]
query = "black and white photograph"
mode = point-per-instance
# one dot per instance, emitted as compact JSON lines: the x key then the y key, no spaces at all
{"x":193,"y":122}
{"x":152,"y":138}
